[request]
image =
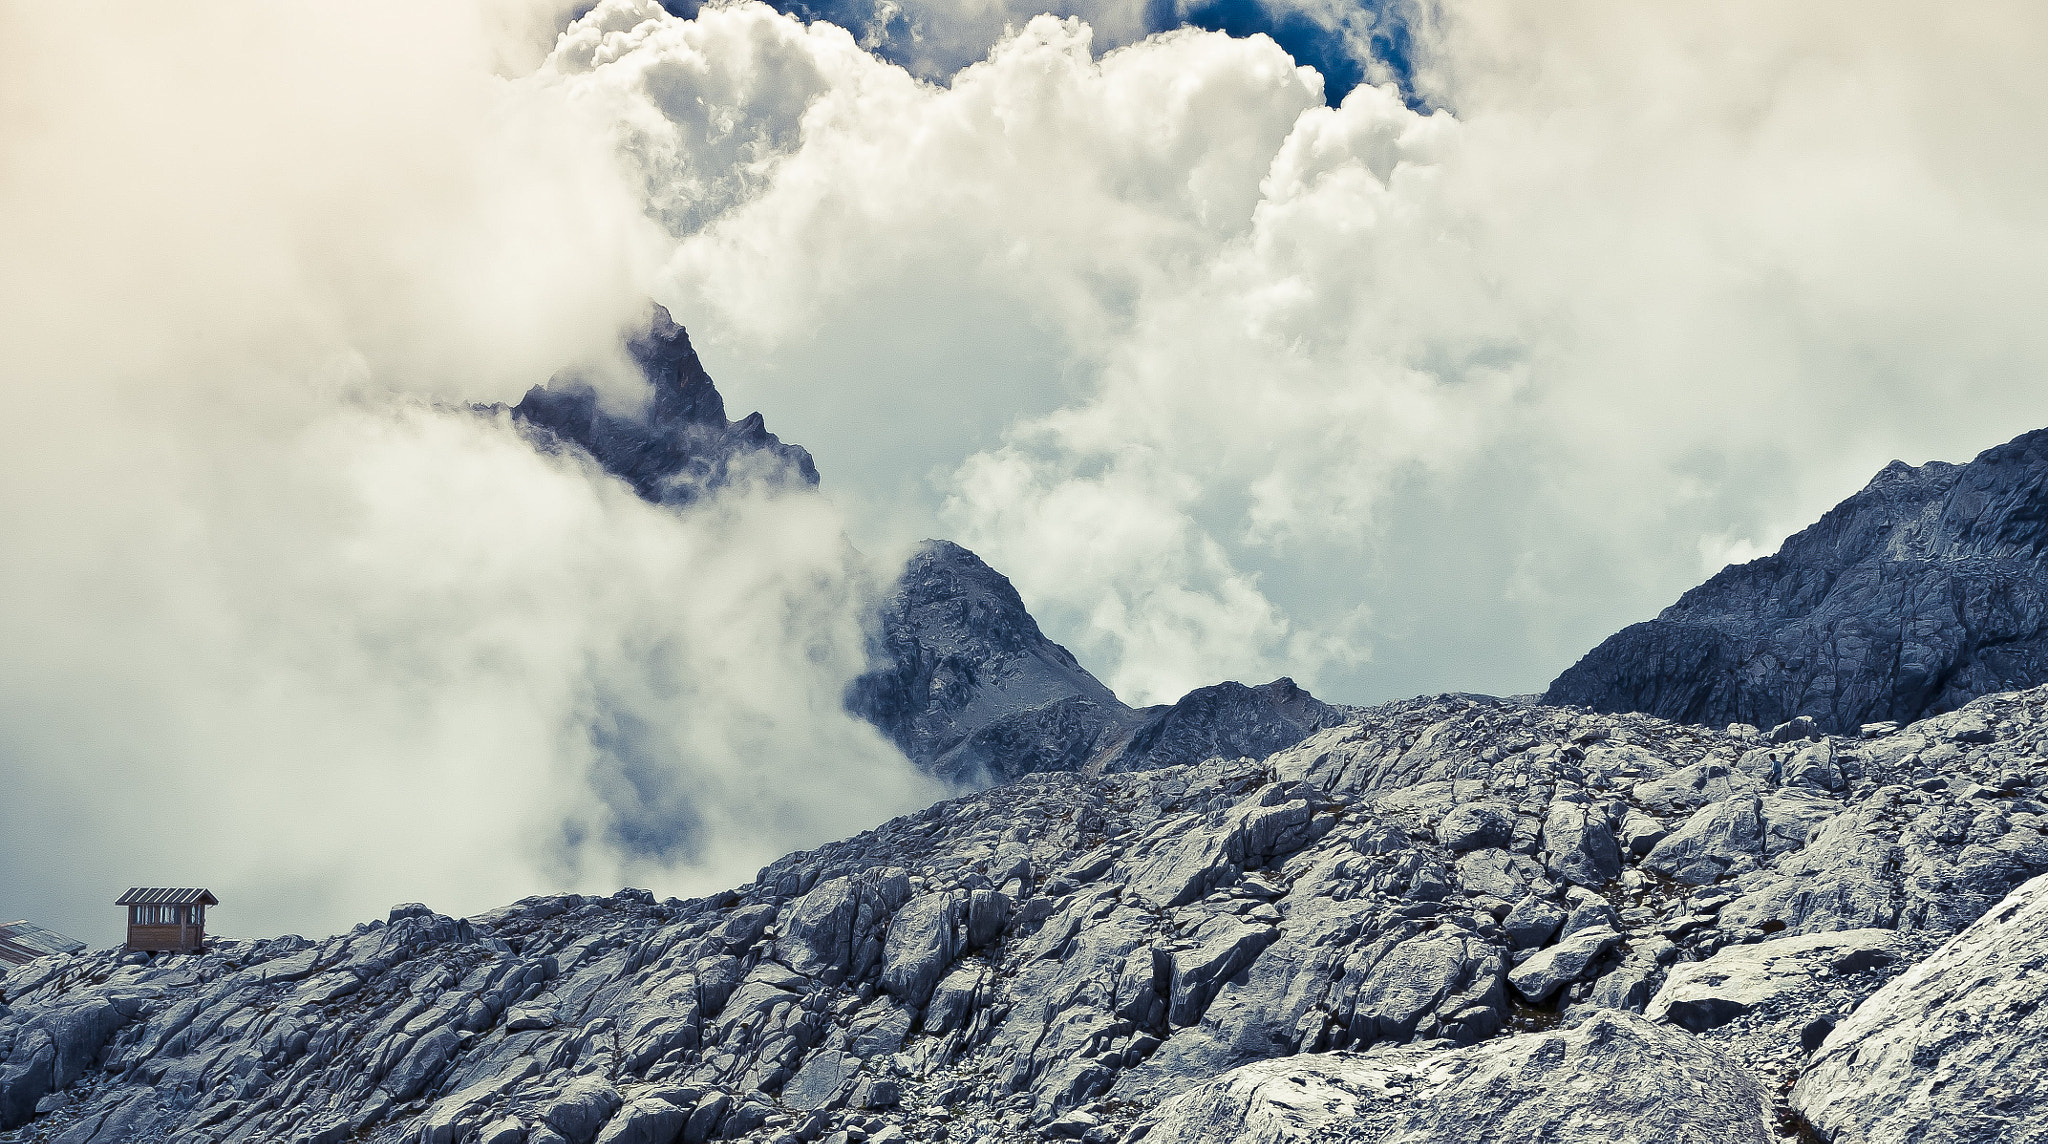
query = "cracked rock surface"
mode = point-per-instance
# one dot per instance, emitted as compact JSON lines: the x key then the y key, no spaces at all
{"x":1953,"y":1050}
{"x":1452,"y":888}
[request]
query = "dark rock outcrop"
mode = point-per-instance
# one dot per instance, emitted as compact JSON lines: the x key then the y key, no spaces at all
{"x":679,"y":447}
{"x":1225,"y":720}
{"x":1921,"y":592}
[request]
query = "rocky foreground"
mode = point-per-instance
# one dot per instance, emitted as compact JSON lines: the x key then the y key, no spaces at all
{"x":1446,"y":920}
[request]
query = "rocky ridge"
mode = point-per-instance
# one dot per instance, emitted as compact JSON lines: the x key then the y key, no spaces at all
{"x":1921,"y":592}
{"x":1444,"y":899}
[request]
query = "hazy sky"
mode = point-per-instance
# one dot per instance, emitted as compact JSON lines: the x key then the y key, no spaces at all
{"x":1231,"y":381}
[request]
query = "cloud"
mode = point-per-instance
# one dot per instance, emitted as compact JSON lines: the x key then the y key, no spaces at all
{"x":1231,"y":382}
{"x":1434,"y":399}
{"x":1346,"y":42}
{"x":285,"y":616}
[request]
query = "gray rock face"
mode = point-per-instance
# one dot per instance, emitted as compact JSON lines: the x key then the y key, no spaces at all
{"x":1951,"y":1052}
{"x":1617,"y":1079}
{"x":1224,"y":721}
{"x":1723,"y":838}
{"x":1474,"y":827}
{"x":972,"y":691}
{"x":1532,"y":923}
{"x":1074,"y":942}
{"x":1701,"y":995}
{"x":1921,"y":592}
{"x":1568,"y":961}
{"x":1580,"y":844}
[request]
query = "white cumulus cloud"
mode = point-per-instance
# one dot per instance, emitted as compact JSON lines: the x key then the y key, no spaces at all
{"x":1232,"y":382}
{"x":284,"y":615}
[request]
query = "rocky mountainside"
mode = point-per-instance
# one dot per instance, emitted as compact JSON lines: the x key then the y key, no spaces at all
{"x":1442,"y":920}
{"x":1222,"y":721}
{"x":1924,"y":590}
{"x":679,"y":447}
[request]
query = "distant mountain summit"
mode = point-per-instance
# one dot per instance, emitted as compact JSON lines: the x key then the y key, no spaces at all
{"x":1921,"y":592}
{"x":967,"y":684}
{"x":964,"y":681}
{"x":680,"y":447}
{"x":970,"y":688}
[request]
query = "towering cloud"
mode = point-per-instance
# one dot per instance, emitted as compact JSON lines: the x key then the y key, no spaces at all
{"x":283,"y":614}
{"x":1233,"y":382}
{"x":1430,"y":388}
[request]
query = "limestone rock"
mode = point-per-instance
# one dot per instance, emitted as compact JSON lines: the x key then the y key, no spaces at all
{"x":1950,"y":1052}
{"x":1721,"y":838}
{"x":1910,"y":598}
{"x":1473,"y":826}
{"x":1581,"y":844}
{"x":1615,"y":1079}
{"x":1561,"y":964}
{"x":1701,"y":995}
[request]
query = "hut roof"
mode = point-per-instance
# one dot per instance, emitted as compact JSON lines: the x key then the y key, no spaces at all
{"x":163,"y":896}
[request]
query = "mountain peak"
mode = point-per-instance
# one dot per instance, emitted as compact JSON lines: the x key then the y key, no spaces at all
{"x":680,"y":446}
{"x":1920,"y":592}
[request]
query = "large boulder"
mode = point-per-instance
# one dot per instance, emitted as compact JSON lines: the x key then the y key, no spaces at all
{"x":1569,"y":960}
{"x":1615,"y":1079}
{"x":1473,"y":826}
{"x":1720,"y":838}
{"x":1700,"y":995}
{"x":1953,"y":1051}
{"x":1581,"y":844}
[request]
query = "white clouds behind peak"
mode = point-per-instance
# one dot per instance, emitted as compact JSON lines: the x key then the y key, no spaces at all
{"x":1216,"y":372}
{"x":1232,"y":383}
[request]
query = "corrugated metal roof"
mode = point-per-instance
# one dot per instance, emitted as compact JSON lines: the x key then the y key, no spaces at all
{"x":21,"y":943}
{"x":162,"y":896}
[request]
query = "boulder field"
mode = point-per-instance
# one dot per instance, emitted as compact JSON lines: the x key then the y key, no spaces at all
{"x":1445,"y":919}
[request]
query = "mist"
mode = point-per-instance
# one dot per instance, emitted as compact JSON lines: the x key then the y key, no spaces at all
{"x":1393,"y":396}
{"x":287,"y":616}
{"x":1428,"y":384}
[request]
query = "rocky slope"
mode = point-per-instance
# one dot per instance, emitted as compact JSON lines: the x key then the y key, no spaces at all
{"x":1912,"y":597}
{"x":1498,"y":917}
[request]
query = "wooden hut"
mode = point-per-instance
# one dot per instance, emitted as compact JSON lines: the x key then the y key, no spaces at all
{"x":162,"y":920}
